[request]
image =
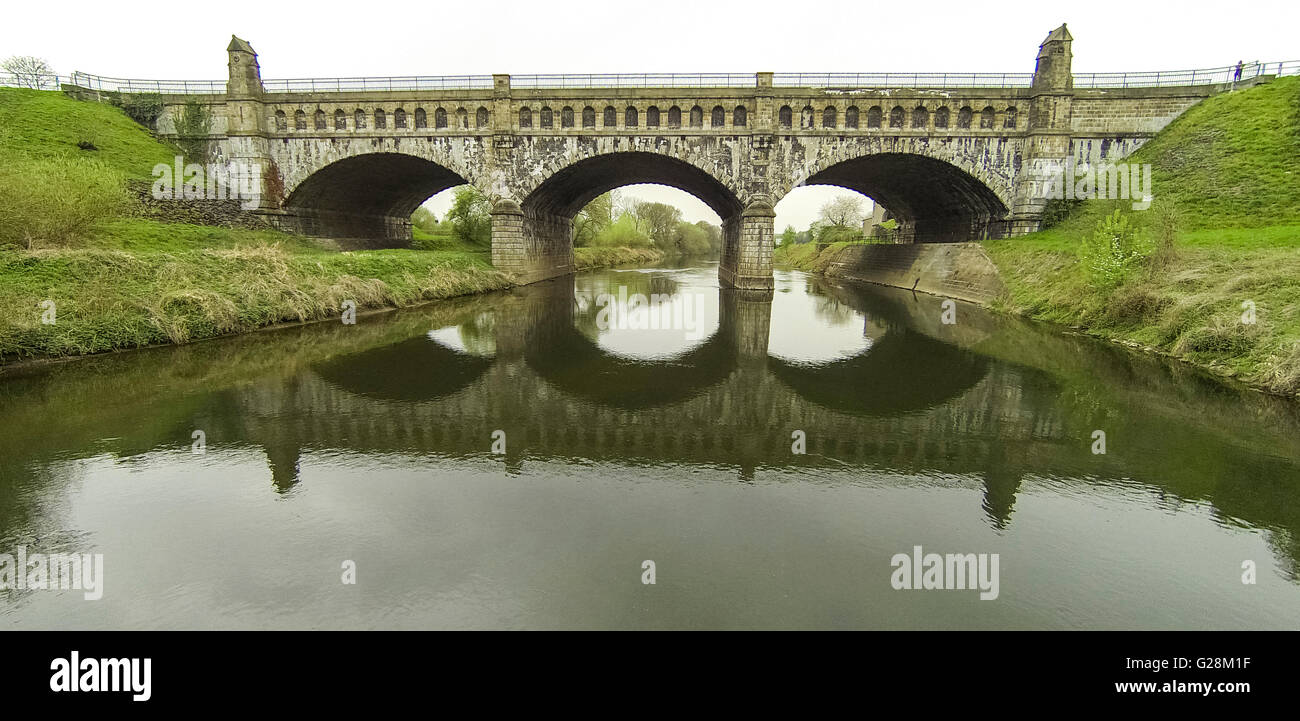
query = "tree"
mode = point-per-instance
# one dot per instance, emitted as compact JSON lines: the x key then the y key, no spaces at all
{"x":622,"y":233}
{"x":691,"y":240}
{"x":626,"y":205}
{"x":659,"y":221}
{"x":843,"y":211}
{"x":471,"y":216}
{"x":715,"y":237}
{"x":29,"y":71}
{"x":424,"y":219}
{"x":593,"y":219}
{"x":789,"y":236}
{"x":839,"y":220}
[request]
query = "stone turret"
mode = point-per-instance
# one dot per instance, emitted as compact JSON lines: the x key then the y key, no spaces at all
{"x":1054,"y":59}
{"x":246,"y":123}
{"x":245,"y":79}
{"x":1051,"y":106}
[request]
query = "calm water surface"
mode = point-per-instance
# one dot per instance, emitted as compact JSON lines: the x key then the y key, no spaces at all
{"x":373,"y":443}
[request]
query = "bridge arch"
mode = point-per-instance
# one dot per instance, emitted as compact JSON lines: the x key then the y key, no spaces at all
{"x":565,"y":188}
{"x":366,"y":196}
{"x":939,"y":191}
{"x":532,"y":231}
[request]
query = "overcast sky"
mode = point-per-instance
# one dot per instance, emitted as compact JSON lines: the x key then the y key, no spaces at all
{"x":330,"y":39}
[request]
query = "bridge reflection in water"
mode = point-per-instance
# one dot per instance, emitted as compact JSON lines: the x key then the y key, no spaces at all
{"x":720,"y":401}
{"x":894,"y":394}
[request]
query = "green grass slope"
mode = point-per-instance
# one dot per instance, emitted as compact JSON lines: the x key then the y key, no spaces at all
{"x":1228,"y":197}
{"x":48,"y":124}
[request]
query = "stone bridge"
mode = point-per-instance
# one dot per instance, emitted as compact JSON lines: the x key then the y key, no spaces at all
{"x":948,"y":162}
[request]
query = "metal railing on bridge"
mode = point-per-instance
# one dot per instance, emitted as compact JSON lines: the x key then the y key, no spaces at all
{"x":638,"y":80}
{"x":1167,"y":78}
{"x":412,"y":82}
{"x":902,"y":80}
{"x":1161,"y":78}
{"x":1153,"y":79}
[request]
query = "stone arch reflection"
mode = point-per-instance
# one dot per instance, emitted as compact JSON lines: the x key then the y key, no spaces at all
{"x":561,"y":353}
{"x":868,"y":383}
{"x":416,"y":369}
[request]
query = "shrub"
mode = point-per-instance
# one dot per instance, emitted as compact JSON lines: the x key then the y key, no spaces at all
{"x":192,"y":127}
{"x":1057,"y":210}
{"x":51,"y":201}
{"x":143,"y":108}
{"x":470,"y":216}
{"x":886,"y":231}
{"x":623,"y":233}
{"x":838,"y":234}
{"x":691,"y":240}
{"x":1114,"y":250}
{"x":425,"y":220}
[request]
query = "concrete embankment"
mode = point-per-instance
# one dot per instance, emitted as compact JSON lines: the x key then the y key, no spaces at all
{"x":953,"y":270}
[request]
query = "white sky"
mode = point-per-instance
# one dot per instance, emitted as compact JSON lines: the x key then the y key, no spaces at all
{"x":330,"y":39}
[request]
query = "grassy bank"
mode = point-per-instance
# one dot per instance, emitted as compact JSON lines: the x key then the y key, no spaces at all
{"x":590,"y":258}
{"x":119,"y":281}
{"x":1228,"y":204}
{"x":106,"y":299}
{"x":804,"y":256}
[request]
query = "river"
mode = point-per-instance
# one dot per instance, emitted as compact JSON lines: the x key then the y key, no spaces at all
{"x":533,"y":459}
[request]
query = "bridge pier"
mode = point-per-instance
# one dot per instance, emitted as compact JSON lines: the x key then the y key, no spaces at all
{"x":747,"y":242}
{"x":745,"y":320}
{"x":534,"y":245}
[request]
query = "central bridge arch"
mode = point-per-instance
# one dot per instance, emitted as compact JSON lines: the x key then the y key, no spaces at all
{"x":533,"y":236}
{"x":569,"y":188}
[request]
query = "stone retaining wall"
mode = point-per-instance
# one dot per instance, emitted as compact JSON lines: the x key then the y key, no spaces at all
{"x":953,"y":270}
